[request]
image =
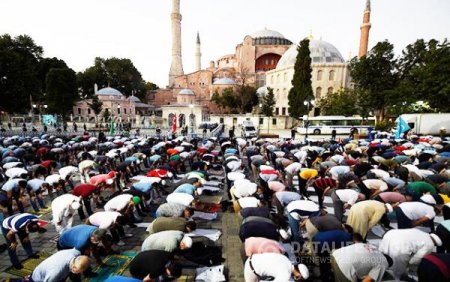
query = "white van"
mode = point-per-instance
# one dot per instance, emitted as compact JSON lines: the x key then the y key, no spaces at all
{"x":248,"y":129}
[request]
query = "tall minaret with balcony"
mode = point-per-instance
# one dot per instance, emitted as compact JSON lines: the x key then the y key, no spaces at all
{"x":198,"y":54}
{"x":365,"y":28}
{"x":176,"y":68}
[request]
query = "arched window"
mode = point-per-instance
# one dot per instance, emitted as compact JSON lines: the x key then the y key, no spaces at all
{"x":319,"y":75}
{"x":331,"y":75}
{"x":330,"y":90}
{"x":285,"y":77}
{"x":318,"y":92}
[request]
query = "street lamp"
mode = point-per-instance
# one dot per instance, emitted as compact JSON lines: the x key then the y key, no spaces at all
{"x":191,"y":118}
{"x":306,"y":117}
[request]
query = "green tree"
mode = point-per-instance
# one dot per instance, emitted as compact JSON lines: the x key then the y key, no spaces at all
{"x":425,"y":72}
{"x":247,"y":97}
{"x":96,"y":106}
{"x":240,"y":101}
{"x":45,"y":65}
{"x":268,"y":106}
{"x":19,"y":65}
{"x":62,"y":91}
{"x":341,"y":103}
{"x":376,"y":78}
{"x":114,"y":72}
{"x":301,"y":82}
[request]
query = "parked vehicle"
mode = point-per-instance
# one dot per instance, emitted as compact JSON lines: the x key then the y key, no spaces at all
{"x":428,"y":124}
{"x":326,"y":124}
{"x":248,"y":130}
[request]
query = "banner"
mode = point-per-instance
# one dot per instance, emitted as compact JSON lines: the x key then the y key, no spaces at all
{"x":402,"y":126}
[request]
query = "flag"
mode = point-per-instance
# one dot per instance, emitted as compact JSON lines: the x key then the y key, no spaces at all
{"x":174,"y":123}
{"x":112,"y":128}
{"x":402,"y":126}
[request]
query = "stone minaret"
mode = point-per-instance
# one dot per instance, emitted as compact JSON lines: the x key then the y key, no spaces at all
{"x":365,"y":28}
{"x":198,"y":54}
{"x":176,"y":69}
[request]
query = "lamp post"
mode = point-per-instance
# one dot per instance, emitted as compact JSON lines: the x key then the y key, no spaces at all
{"x":306,"y":117}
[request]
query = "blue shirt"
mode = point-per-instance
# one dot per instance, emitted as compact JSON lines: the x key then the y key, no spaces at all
{"x":55,"y":267}
{"x":77,"y":237}
{"x":144,"y":187}
{"x":186,"y":188}
{"x":330,"y":240}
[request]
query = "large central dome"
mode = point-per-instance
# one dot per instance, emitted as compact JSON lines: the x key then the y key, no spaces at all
{"x":321,"y":52}
{"x":267,"y":33}
{"x":269,"y":37}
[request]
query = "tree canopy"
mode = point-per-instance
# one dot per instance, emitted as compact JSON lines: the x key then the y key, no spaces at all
{"x":416,"y":81}
{"x":268,"y":103}
{"x":19,"y":66}
{"x":240,"y":100}
{"x":114,"y":72}
{"x":61,"y":92}
{"x":301,"y":82}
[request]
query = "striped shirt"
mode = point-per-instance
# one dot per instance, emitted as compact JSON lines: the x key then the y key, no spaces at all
{"x":323,"y":183}
{"x":17,"y":221}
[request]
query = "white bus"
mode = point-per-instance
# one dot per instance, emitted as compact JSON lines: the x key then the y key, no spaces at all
{"x":326,"y":124}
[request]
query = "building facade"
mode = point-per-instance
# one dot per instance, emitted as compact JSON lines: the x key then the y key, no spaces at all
{"x":115,"y":105}
{"x":329,"y":74}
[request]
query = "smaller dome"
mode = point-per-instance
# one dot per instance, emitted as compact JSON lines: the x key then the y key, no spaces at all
{"x":134,"y":99}
{"x":224,"y":81}
{"x":262,"y":91}
{"x":186,"y":91}
{"x":109,"y":91}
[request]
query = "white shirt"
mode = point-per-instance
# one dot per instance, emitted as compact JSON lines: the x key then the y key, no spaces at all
{"x":62,"y":206}
{"x":118,"y":203}
{"x":359,"y":260}
{"x":104,"y":219}
{"x":411,"y":241}
{"x":248,"y":202}
{"x":67,"y":170}
{"x":180,"y":198}
{"x":85,"y":164}
{"x":380,"y":173}
{"x":244,"y":188}
{"x":293,"y":168}
{"x":375,"y":184}
{"x":348,"y":196}
{"x":304,"y":205}
{"x":52,"y":179}
{"x":301,"y":156}
{"x":268,"y":264}
{"x":415,"y":210}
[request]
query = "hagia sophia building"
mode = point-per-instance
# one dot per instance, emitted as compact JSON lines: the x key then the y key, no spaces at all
{"x":263,"y":59}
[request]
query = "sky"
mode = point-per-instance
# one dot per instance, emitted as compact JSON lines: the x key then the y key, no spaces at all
{"x":77,"y":31}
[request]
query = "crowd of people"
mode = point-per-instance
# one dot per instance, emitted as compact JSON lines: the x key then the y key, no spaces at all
{"x":306,"y":211}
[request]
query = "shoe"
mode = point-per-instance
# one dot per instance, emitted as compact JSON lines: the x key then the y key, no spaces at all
{"x":18,"y":266}
{"x":128,"y":235}
{"x":120,"y":243}
{"x":34,"y":256}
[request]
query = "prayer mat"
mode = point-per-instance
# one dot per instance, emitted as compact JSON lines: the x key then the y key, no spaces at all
{"x":29,"y":265}
{"x":210,"y":199}
{"x":42,"y":211}
{"x":120,"y":262}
